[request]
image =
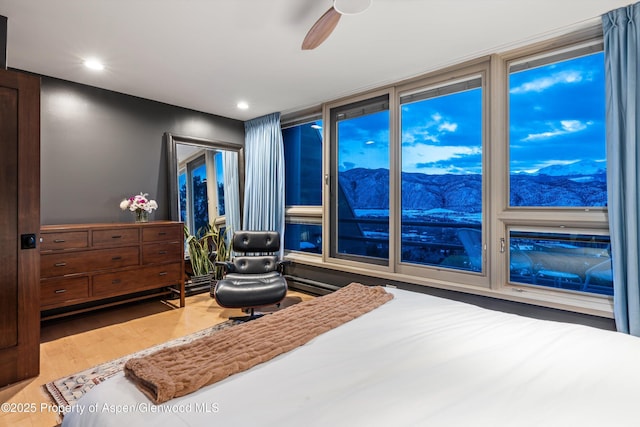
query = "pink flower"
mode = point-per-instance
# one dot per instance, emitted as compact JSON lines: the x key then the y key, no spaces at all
{"x":139,"y":202}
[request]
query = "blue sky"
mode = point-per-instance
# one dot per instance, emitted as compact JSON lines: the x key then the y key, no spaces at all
{"x":556,"y":111}
{"x":557,"y":114}
{"x":364,"y":142}
{"x":443,"y":134}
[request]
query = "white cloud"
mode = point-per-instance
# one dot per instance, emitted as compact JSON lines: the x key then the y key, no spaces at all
{"x":566,"y":127}
{"x":543,"y":135}
{"x":418,"y":136}
{"x":573,"y":125}
{"x":448,"y":127}
{"x":414,"y":155}
{"x":543,"y":83}
{"x":429,"y":132}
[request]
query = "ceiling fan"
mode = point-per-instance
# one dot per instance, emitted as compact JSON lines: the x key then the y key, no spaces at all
{"x":327,"y":22}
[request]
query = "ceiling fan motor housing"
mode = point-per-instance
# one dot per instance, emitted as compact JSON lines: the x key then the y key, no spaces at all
{"x":351,"y":7}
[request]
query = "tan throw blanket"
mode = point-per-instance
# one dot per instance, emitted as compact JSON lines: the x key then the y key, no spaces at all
{"x":177,"y":371}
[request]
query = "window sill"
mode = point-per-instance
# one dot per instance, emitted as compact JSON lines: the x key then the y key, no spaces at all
{"x":594,"y":305}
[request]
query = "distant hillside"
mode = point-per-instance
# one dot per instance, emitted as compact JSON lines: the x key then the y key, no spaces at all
{"x":367,"y":188}
{"x":580,"y":168}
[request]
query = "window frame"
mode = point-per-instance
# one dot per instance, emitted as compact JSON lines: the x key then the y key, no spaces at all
{"x":524,"y":59}
{"x":305,"y":214}
{"x":480,"y":69}
{"x":545,"y":219}
{"x":371,"y":105}
{"x":498,"y":216}
{"x":558,"y":231}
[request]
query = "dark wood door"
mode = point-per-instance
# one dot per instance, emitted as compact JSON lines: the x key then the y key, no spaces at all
{"x":19,"y":226}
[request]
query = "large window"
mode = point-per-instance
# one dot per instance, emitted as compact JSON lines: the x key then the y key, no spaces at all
{"x":303,"y":186}
{"x":441,"y":190}
{"x":303,"y":164}
{"x":557,"y":135}
{"x":487,"y":177}
{"x":557,"y":166}
{"x":360,"y":188}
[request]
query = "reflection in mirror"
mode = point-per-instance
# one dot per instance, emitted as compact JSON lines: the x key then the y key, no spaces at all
{"x":205,"y":180}
{"x":200,"y":185}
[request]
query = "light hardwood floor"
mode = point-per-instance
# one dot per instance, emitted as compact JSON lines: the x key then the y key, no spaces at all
{"x":71,"y":344}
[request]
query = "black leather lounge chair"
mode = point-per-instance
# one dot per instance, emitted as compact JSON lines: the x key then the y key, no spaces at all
{"x":254,"y":278}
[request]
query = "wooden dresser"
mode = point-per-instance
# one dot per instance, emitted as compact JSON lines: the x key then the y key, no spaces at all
{"x":89,"y":266}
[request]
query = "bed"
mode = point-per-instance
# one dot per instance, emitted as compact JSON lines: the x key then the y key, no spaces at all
{"x":417,"y":360}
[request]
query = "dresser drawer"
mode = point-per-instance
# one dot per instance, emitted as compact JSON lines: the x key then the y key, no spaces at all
{"x":115,"y":237}
{"x":161,"y":252}
{"x":60,"y":264}
{"x":169,"y":233}
{"x":115,"y":283}
{"x":64,"y":240}
{"x":161,"y":275}
{"x":128,"y":281}
{"x":60,"y":292}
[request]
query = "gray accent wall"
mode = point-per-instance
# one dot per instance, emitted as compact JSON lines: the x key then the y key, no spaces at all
{"x":99,"y":146}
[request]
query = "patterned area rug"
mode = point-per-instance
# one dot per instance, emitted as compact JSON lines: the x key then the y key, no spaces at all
{"x":67,"y":390}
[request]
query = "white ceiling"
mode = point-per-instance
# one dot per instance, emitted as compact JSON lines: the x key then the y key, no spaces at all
{"x":209,"y":54}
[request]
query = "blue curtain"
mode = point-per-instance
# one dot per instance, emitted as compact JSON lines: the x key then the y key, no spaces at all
{"x":231,"y":191}
{"x":621,"y":45}
{"x":264,"y":175}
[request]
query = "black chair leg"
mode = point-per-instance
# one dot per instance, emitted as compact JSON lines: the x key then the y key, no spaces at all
{"x":252,"y":316}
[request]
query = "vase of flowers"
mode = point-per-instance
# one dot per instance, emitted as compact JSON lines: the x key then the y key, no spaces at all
{"x":140,"y":205}
{"x":142,"y":215}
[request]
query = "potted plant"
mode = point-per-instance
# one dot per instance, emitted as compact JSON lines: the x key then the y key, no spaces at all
{"x":207,"y":247}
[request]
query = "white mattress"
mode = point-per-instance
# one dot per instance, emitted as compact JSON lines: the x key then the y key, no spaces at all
{"x":416,"y":361}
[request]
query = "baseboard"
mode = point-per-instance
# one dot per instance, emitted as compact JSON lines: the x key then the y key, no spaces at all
{"x":310,"y":286}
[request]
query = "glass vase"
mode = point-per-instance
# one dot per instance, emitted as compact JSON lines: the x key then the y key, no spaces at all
{"x":142,"y":215}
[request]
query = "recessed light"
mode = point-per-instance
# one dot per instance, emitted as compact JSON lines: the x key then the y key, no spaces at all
{"x":94,"y":64}
{"x":243,"y":105}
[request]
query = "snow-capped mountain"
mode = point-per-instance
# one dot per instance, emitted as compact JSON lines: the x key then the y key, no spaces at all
{"x":579,"y":168}
{"x":578,"y":184}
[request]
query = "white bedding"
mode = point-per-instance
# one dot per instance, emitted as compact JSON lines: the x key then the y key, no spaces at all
{"x":416,"y":361}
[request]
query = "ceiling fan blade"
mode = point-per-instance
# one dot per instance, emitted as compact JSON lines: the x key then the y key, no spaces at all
{"x":321,"y":29}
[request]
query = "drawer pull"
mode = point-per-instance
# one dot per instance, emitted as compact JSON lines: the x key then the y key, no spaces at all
{"x":162,"y":273}
{"x":60,"y":264}
{"x":59,"y":240}
{"x":116,"y":258}
{"x":115,"y":281}
{"x":60,"y":291}
{"x":116,"y":237}
{"x":162,"y":233}
{"x":162,"y":252}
